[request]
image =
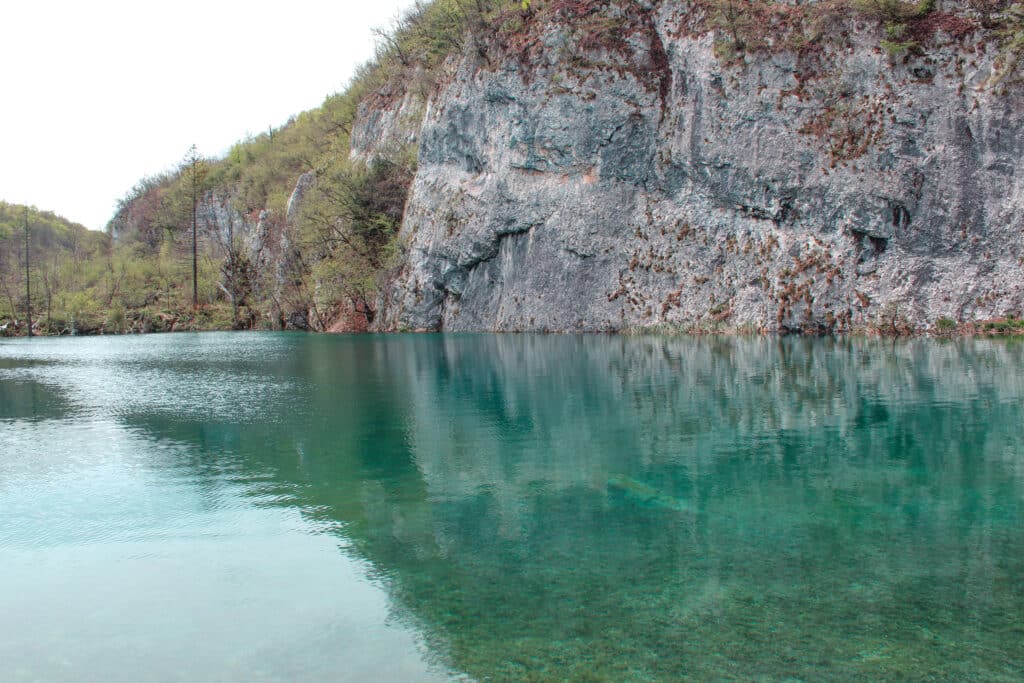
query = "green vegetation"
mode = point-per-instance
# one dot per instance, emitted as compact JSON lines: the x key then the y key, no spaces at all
{"x":83,"y":283}
{"x":907,"y":27}
{"x":1007,"y":325}
{"x":896,"y":16}
{"x":1010,"y":30}
{"x":321,"y":266}
{"x":67,"y":264}
{"x":890,"y":322}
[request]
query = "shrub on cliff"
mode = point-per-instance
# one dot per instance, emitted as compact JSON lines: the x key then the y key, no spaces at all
{"x":349,"y":228}
{"x":1010,"y":30}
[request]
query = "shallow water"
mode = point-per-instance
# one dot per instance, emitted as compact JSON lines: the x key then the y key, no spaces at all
{"x":289,"y":507}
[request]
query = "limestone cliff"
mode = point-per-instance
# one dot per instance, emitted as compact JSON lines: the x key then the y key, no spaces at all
{"x":624,"y":166}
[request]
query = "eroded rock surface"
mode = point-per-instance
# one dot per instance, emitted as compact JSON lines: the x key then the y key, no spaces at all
{"x":597,"y":190}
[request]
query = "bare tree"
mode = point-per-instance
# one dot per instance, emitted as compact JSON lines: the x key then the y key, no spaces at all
{"x":235,"y":270}
{"x":194,"y":169}
{"x":8,"y":277}
{"x":51,"y":284}
{"x":28,"y":279}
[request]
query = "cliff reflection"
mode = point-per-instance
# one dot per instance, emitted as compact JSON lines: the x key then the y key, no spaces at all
{"x":619,"y":508}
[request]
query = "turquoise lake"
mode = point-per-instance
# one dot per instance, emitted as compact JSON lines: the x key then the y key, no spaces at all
{"x":283,"y":507}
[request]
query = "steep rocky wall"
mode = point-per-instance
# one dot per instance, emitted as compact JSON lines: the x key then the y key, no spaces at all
{"x":386,"y":123}
{"x":220,"y":223}
{"x":583,"y":187}
{"x":266,"y":242}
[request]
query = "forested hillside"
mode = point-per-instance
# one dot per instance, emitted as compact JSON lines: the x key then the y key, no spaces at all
{"x":268,"y":259}
{"x":70,"y":272}
{"x":138,"y":276}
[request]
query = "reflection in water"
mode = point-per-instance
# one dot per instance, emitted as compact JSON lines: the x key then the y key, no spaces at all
{"x":591,"y":508}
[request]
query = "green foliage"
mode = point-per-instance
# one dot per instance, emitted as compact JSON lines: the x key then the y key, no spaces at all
{"x":895,"y":16}
{"x":84,"y":310}
{"x":347,"y":231}
{"x":82,"y":283}
{"x":117,"y":317}
{"x":736,"y":21}
{"x":48,"y":229}
{"x":945,"y":324}
{"x":57,"y":252}
{"x":1010,"y":31}
{"x":346,"y":236}
{"x":895,"y":11}
{"x":431,"y":31}
{"x":350,"y":224}
{"x":1008,"y":325}
{"x":893,"y":42}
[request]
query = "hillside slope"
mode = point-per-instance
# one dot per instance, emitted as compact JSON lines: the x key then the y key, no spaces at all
{"x":62,"y":258}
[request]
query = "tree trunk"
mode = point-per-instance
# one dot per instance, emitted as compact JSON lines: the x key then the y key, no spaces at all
{"x":195,"y":267}
{"x":28,"y":278}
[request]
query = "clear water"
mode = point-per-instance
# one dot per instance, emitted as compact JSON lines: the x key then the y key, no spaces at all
{"x":282,"y":507}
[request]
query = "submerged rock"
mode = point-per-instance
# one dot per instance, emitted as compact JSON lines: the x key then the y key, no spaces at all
{"x":647,"y":494}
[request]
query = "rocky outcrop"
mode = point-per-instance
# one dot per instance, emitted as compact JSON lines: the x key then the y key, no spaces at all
{"x":386,"y":124}
{"x":305,"y":183}
{"x":648,"y":182}
{"x":222,"y":224}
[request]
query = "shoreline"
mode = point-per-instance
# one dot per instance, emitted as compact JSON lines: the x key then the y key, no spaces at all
{"x":987,"y":329}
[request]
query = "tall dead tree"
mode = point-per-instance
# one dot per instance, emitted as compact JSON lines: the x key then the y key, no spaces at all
{"x":236,"y":271}
{"x":28,"y":281}
{"x":194,"y":168}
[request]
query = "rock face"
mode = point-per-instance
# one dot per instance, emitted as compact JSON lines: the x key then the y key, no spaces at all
{"x":588,"y":187}
{"x":387,"y":126}
{"x":221,"y":223}
{"x":305,"y":183}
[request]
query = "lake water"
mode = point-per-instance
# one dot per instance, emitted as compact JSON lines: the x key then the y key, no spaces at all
{"x":276,"y":507}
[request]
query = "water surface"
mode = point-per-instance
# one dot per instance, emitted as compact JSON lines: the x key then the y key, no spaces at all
{"x":399,"y":508}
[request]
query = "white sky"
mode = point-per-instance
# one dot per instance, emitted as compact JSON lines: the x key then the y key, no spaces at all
{"x":96,"y":95}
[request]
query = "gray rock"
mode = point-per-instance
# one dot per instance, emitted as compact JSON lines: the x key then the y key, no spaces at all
{"x":305,"y":183}
{"x":219,"y":221}
{"x":571,"y":195}
{"x":384,"y":125}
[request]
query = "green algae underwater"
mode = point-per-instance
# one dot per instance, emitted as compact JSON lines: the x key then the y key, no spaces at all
{"x":511,"y":508}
